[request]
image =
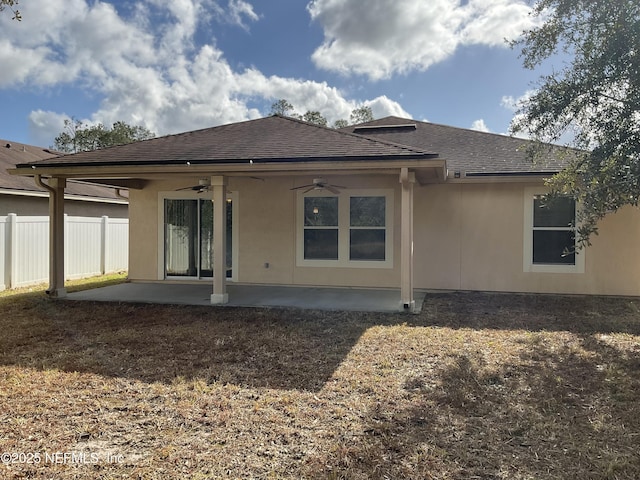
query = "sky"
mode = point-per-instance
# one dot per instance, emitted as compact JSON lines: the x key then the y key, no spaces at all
{"x":180,"y":65}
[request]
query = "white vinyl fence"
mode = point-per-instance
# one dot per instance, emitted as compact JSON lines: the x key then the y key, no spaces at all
{"x":93,"y":246}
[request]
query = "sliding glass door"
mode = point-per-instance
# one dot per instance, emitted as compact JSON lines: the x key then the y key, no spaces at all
{"x":188,"y":238}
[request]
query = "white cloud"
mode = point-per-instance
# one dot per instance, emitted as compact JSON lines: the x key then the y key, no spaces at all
{"x":490,"y":22}
{"x":306,"y":95}
{"x":480,"y":126}
{"x":147,"y":72}
{"x":384,"y":37}
{"x":238,"y":9}
{"x":45,"y":126}
{"x":383,"y":106}
{"x":513,"y":105}
{"x":237,"y":12}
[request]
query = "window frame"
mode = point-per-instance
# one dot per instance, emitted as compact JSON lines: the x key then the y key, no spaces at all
{"x":344,"y":229}
{"x":530,"y":193}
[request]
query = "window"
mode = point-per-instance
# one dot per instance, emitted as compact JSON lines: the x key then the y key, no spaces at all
{"x":550,"y":235}
{"x":321,"y":228}
{"x":553,"y":232}
{"x":367,"y":228}
{"x":351,"y":229}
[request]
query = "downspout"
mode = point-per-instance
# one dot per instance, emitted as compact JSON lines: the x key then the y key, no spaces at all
{"x":119,"y":195}
{"x":407,"y":180}
{"x":41,"y":184}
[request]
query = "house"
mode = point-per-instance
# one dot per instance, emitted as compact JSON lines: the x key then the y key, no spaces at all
{"x":21,"y":195}
{"x":394,"y":203}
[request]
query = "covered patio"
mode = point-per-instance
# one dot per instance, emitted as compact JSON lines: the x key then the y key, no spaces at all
{"x":315,"y":298}
{"x":272,"y":201}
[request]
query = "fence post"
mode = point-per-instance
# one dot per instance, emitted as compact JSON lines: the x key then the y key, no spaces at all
{"x":104,"y":247}
{"x":67,"y":249}
{"x":12,"y":261}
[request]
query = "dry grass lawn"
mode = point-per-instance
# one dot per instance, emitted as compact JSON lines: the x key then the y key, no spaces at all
{"x":478,"y":386}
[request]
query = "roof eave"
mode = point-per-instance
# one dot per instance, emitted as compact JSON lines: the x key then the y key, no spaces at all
{"x":500,"y":177}
{"x":249,"y":165}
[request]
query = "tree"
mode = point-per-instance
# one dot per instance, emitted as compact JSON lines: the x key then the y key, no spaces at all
{"x":281,"y":107}
{"x":358,"y":115}
{"x":79,"y":137}
{"x":315,"y":117}
{"x":122,"y":133}
{"x":361,"y":115}
{"x":595,"y":98}
{"x":11,"y":4}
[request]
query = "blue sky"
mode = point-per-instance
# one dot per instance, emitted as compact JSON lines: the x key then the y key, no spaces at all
{"x":178,"y":65}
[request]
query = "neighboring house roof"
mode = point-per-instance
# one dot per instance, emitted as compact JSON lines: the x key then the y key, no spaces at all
{"x":471,"y":152}
{"x":269,"y":139}
{"x":13,"y":153}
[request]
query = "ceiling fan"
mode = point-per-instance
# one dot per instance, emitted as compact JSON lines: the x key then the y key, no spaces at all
{"x":320,"y":184}
{"x":204,"y":185}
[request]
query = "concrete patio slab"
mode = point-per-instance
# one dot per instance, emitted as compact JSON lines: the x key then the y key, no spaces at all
{"x":340,"y":299}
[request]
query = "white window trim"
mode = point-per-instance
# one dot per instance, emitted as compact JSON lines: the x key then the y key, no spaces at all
{"x":188,"y":195}
{"x":528,"y":266}
{"x":344,"y":228}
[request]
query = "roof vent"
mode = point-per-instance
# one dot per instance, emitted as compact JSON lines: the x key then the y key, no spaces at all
{"x":384,"y":128}
{"x":8,"y":145}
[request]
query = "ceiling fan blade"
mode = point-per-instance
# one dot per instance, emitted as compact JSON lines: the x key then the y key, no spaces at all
{"x":303,"y":186}
{"x":192,"y":187}
{"x":313,"y":187}
{"x":333,"y":189}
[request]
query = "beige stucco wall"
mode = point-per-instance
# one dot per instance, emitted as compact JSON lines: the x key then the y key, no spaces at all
{"x":471,"y":237}
{"x":466,"y":236}
{"x":143,"y":233}
{"x":266,"y":232}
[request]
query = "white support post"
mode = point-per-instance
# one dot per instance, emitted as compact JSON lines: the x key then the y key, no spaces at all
{"x":56,"y":237}
{"x":219,"y":295}
{"x":407,"y":302}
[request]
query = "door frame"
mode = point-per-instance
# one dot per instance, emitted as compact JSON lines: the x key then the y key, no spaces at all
{"x":189,"y":195}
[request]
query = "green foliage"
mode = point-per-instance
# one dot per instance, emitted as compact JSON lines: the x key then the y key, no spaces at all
{"x":358,"y":115}
{"x":595,"y":99}
{"x":79,"y":137}
{"x":282,"y":107}
{"x":315,"y":117}
{"x":11,"y":4}
{"x":361,"y":115}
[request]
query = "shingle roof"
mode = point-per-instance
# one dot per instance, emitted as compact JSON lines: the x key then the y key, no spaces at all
{"x":283,"y":139}
{"x":464,"y":150}
{"x":274,"y":138}
{"x":13,"y":153}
